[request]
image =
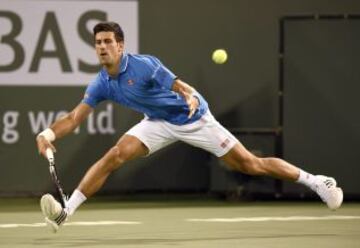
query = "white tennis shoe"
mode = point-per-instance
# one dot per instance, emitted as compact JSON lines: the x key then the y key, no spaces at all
{"x":326,"y":188}
{"x":53,"y":212}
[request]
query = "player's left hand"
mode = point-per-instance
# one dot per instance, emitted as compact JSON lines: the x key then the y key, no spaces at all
{"x":193,"y":103}
{"x":43,"y":145}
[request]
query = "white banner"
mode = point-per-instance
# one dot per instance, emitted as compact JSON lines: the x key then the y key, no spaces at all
{"x":50,"y":42}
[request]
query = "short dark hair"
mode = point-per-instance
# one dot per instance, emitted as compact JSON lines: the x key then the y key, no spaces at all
{"x":110,"y":27}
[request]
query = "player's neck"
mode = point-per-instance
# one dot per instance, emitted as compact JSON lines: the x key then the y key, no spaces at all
{"x":113,"y":70}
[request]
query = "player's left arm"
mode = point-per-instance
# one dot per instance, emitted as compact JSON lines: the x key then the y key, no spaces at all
{"x":188,"y":93}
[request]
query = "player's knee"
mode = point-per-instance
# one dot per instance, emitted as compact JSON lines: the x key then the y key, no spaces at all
{"x":251,"y":165}
{"x":116,"y":157}
{"x":255,"y":166}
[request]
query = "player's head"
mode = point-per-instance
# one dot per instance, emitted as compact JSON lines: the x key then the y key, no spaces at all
{"x":109,"y":42}
{"x":110,"y":27}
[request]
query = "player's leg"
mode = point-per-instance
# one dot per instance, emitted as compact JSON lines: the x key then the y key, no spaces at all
{"x":127,"y":148}
{"x":143,"y":139}
{"x":239,"y":158}
{"x":210,"y":135}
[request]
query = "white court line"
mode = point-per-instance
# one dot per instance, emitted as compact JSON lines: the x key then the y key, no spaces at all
{"x":101,"y":223}
{"x":13,"y":225}
{"x":277,"y":218}
{"x":78,"y":223}
{"x":244,"y":219}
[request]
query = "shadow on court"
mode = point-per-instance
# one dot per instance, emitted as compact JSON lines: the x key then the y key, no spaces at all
{"x":124,"y":241}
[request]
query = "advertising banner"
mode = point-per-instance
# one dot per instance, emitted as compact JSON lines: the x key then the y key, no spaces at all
{"x":51,"y":42}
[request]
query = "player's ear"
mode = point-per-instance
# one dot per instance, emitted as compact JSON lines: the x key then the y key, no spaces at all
{"x":120,"y":46}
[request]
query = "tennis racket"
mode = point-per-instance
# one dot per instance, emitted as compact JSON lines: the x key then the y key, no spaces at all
{"x":54,"y":177}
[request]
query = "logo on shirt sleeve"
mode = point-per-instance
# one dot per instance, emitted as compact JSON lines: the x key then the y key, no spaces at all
{"x":130,"y":82}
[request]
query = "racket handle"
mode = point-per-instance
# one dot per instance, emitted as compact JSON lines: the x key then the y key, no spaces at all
{"x":49,"y":154}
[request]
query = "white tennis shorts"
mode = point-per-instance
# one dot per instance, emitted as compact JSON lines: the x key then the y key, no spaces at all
{"x":206,"y":133}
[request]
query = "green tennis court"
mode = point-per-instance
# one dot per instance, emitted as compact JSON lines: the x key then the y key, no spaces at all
{"x":189,"y":223}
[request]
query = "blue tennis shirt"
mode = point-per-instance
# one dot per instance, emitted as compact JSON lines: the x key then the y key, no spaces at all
{"x":144,"y":84}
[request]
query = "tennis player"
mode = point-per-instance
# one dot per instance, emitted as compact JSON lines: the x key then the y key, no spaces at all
{"x":173,"y":111}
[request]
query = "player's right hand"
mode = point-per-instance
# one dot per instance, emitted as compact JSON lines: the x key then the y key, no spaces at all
{"x":44,"y":144}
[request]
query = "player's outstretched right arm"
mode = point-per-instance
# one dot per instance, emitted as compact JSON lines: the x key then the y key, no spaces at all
{"x":62,"y":127}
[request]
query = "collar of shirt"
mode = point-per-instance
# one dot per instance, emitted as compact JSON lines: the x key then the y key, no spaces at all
{"x":123,"y":65}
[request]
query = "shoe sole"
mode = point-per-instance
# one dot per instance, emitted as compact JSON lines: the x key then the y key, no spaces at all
{"x":52,"y":225}
{"x":339,"y":199}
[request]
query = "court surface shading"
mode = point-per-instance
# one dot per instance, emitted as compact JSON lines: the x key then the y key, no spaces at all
{"x":208,"y":223}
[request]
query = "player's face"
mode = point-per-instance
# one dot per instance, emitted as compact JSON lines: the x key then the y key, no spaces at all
{"x":108,"y":49}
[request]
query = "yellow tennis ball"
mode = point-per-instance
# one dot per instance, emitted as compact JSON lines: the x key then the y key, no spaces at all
{"x":219,"y":56}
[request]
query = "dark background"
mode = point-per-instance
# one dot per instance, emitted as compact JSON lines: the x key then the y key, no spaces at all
{"x":320,"y":72}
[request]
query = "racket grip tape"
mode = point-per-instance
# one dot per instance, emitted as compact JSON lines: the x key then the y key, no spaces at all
{"x":49,"y":154}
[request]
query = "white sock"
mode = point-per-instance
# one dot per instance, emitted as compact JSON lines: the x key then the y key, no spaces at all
{"x":75,"y":201}
{"x":307,"y":179}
